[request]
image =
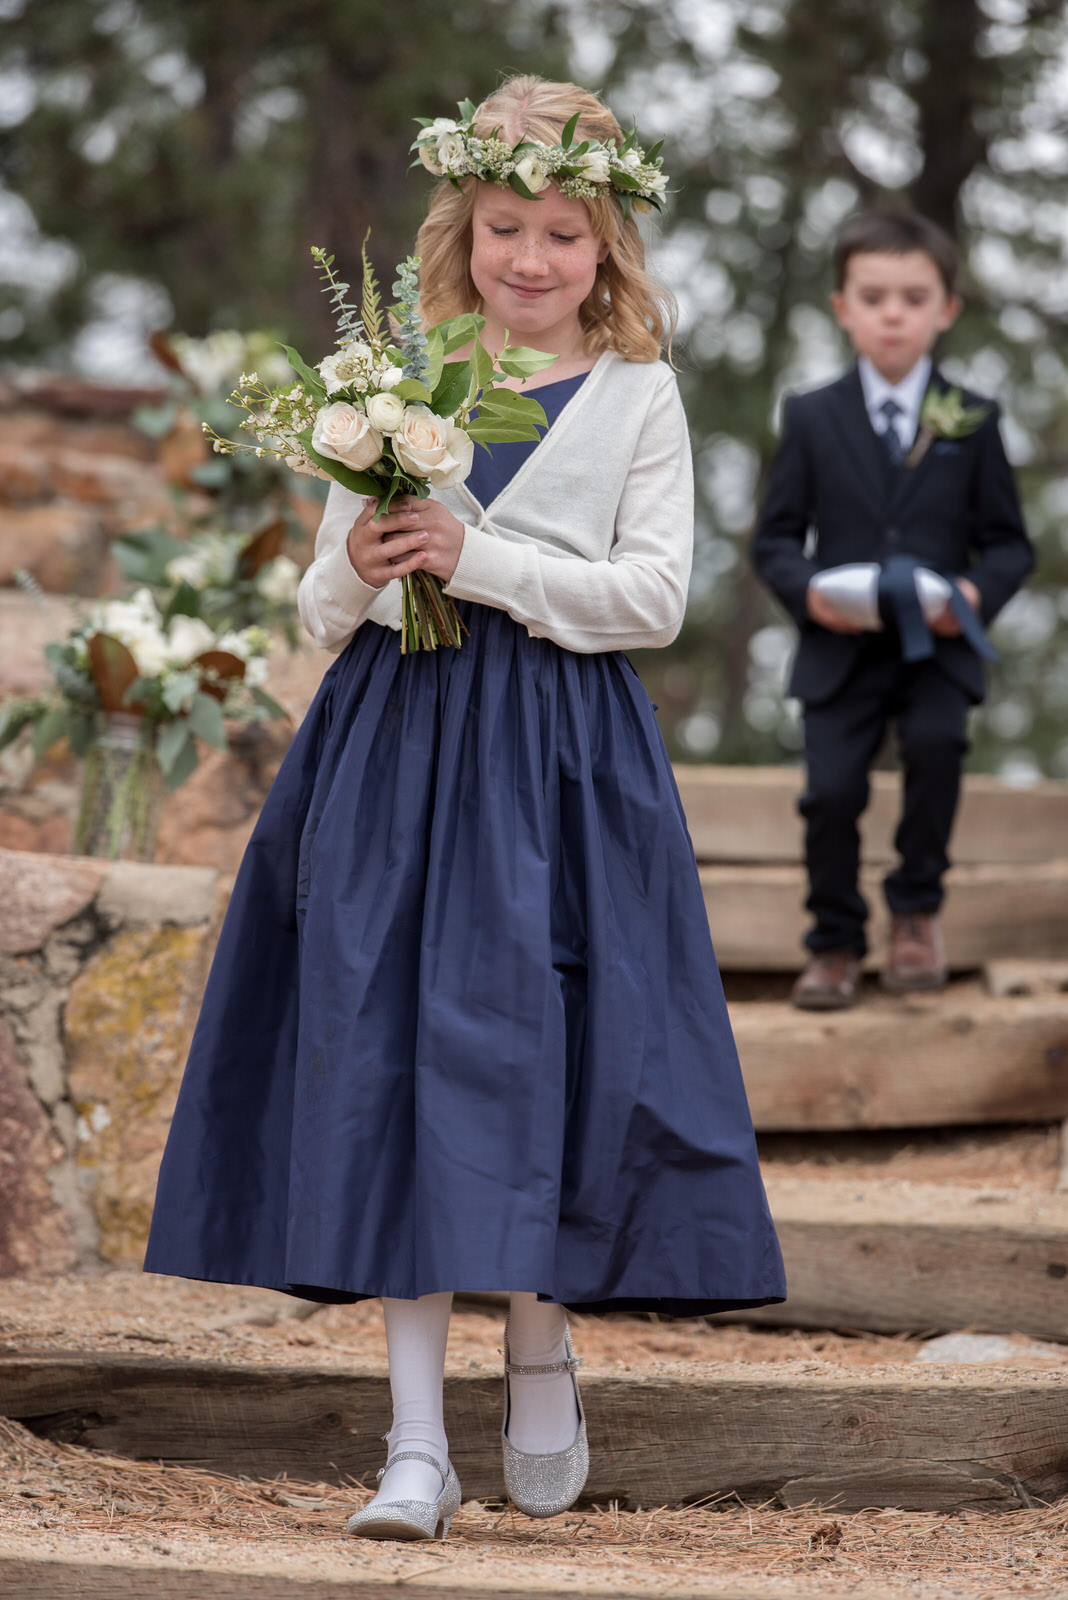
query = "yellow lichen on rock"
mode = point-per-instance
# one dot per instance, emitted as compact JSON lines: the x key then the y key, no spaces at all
{"x":128,"y":1024}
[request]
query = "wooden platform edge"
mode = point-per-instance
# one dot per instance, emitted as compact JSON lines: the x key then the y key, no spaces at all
{"x":941,"y":1440}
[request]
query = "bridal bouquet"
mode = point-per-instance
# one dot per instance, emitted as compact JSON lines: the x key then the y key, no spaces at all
{"x":387,"y":414}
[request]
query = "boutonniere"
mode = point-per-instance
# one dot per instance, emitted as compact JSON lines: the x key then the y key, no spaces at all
{"x":944,"y":415}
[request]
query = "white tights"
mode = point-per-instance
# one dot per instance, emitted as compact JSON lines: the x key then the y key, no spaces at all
{"x":543,"y":1416}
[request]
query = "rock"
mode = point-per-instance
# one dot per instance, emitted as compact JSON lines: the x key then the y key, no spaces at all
{"x":35,"y":1234}
{"x":38,"y":894}
{"x":129,"y":1020}
{"x":136,"y":895}
{"x":978,"y":1347}
{"x":62,"y":546}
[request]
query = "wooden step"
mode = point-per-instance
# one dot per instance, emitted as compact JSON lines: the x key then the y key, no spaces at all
{"x":910,"y":1257}
{"x":946,"y":1439}
{"x":959,"y":1057}
{"x":750,"y":814}
{"x":757,"y":918}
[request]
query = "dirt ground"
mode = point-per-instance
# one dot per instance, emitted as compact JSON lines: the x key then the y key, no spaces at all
{"x":64,"y":1502}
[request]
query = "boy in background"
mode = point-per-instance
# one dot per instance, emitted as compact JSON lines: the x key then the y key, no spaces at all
{"x":883,"y":465}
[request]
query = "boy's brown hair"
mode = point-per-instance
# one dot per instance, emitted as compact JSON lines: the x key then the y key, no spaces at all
{"x":895,"y":233}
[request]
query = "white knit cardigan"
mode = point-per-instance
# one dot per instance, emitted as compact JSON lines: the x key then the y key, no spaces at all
{"x":589,"y":544}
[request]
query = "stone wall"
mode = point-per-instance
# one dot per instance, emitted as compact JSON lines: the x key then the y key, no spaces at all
{"x":102,"y":967}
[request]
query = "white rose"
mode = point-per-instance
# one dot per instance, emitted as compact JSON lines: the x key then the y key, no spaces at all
{"x":256,"y":672}
{"x":631,"y":160}
{"x":531,"y":172}
{"x":186,"y":569}
{"x":342,"y":433}
{"x":656,"y":183}
{"x":279,"y":580}
{"x":451,"y":153}
{"x":595,"y":166}
{"x":150,"y":650}
{"x":441,"y":125}
{"x":428,"y":155}
{"x":187,"y":638}
{"x":384,"y":411}
{"x":433,"y":447}
{"x":389,"y":377}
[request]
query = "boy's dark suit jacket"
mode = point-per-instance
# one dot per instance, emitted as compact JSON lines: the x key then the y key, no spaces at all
{"x":957,"y":512}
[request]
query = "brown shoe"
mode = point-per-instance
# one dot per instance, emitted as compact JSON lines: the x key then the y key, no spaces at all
{"x":916,"y":958}
{"x":828,"y":983}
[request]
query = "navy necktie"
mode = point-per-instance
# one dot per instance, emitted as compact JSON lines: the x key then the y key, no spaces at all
{"x":889,"y":435}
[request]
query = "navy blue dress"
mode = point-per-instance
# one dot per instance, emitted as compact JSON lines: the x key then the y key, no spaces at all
{"x":464,"y":1027}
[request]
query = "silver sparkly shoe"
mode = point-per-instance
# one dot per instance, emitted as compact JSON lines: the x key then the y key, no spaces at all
{"x":409,"y":1519}
{"x":545,"y":1485}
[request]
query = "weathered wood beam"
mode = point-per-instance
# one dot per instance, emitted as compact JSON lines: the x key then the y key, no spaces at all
{"x":943,"y":1440}
{"x":757,"y":919}
{"x":750,"y":814}
{"x":909,"y":1062}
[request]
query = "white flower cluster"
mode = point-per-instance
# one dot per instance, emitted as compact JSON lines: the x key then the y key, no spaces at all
{"x":212,"y":561}
{"x":164,"y":650}
{"x":582,"y":170}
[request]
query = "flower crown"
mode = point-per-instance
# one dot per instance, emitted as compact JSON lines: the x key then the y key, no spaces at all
{"x":581,"y":170}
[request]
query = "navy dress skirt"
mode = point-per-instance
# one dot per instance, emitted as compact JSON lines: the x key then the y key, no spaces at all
{"x":464,"y":1027}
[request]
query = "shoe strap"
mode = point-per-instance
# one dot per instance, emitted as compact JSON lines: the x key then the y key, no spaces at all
{"x":569,"y":1364}
{"x":413,"y":1455}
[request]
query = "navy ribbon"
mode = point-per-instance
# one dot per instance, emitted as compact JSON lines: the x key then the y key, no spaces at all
{"x":900,"y":604}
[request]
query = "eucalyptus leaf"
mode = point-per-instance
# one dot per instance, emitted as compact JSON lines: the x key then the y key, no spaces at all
{"x":172,"y":739}
{"x":53,"y":726}
{"x":206,"y":721}
{"x":271,"y":706}
{"x":178,"y":690}
{"x":213,"y":474}
{"x":155,"y":421}
{"x":183,"y":766}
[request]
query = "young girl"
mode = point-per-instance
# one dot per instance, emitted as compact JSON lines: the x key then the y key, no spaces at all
{"x":464,"y":1029}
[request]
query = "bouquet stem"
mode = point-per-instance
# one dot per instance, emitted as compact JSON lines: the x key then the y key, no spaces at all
{"x":428,"y":616}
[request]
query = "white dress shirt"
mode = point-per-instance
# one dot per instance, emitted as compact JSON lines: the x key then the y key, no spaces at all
{"x":907,"y":395}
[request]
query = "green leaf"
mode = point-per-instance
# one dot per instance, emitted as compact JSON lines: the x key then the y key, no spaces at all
{"x":514,"y":407}
{"x":213,"y":474}
{"x":435,"y":352}
{"x":520,"y":361}
{"x":569,"y":131}
{"x":82,"y":732}
{"x":482,"y":365}
{"x":184,"y":602}
{"x":359,"y":482}
{"x":490,"y":431}
{"x":143,"y":556}
{"x":467,"y":110}
{"x":206,"y":721}
{"x":451,"y":391}
{"x":515,"y":182}
{"x":53,"y":726}
{"x":15,"y":716}
{"x":156,"y":421}
{"x":312,"y":381}
{"x":459,"y":330}
{"x":262,"y":698}
{"x":178,"y":689}
{"x":171,"y":742}
{"x":411,"y":390}
{"x":652,"y":153}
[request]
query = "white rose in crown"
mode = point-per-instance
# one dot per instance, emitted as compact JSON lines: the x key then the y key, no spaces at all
{"x":428,"y":446}
{"x":428,"y":155}
{"x":341,"y":433}
{"x":385,"y":412}
{"x":595,"y":166}
{"x":440,"y":125}
{"x":531,"y":172}
{"x":450,"y":152}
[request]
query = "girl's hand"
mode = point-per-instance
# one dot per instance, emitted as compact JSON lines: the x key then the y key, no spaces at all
{"x":414,"y":535}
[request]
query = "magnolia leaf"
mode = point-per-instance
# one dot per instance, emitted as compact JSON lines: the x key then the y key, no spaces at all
{"x":224,"y":665}
{"x":312,"y":381}
{"x":261,"y":549}
{"x":113,"y":670}
{"x":451,"y":391}
{"x":206,"y":720}
{"x":359,"y":482}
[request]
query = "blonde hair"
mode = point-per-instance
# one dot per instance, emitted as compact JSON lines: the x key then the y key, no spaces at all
{"x":626,"y":310}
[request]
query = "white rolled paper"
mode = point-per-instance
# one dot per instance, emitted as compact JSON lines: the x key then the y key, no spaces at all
{"x":853,"y":590}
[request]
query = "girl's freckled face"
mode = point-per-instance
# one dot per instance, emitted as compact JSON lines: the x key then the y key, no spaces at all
{"x":533,"y":262}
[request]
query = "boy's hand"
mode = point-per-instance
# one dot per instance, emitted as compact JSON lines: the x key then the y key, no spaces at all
{"x":945,"y":624}
{"x":415,"y":535}
{"x":827,"y":615}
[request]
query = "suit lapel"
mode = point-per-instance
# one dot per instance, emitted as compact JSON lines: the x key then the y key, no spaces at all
{"x":863,"y":447}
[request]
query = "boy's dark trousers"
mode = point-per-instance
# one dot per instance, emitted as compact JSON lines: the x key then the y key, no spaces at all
{"x":843,"y":736}
{"x":834,"y":496}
